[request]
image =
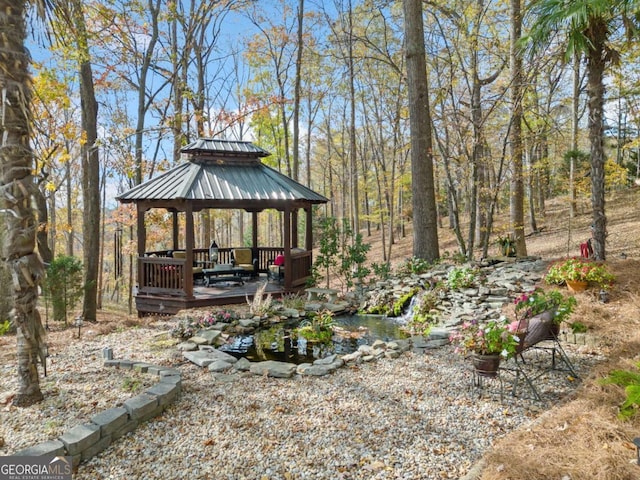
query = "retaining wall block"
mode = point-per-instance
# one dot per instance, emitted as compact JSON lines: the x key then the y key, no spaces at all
{"x":141,"y":367}
{"x":172,"y":379}
{"x":155,"y":369}
{"x":153,"y":413}
{"x":166,"y":392}
{"x":127,"y":364}
{"x":141,"y":405}
{"x":96,"y":448}
{"x":80,"y":438}
{"x":51,"y":447}
{"x":130,"y":426}
{"x":111,"y":420}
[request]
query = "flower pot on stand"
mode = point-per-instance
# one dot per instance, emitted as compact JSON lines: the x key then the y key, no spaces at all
{"x":577,"y":286}
{"x":486,"y":365}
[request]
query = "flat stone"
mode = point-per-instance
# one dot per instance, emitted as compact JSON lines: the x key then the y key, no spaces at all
{"x":313,"y":306}
{"x":290,"y":313}
{"x":249,"y":322}
{"x":242,"y":365}
{"x":219,"y":366}
{"x":187,"y":346}
{"x":209,"y":335}
{"x":335,"y":307}
{"x":352,"y":357}
{"x":203,"y":358}
{"x":273,"y":368}
{"x":223,"y":377}
{"x":326,"y":360}
{"x":314,"y":370}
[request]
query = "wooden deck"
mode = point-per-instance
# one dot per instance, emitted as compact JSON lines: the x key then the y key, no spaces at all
{"x":217,"y":294}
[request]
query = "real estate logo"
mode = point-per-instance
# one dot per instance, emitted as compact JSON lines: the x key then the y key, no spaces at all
{"x":35,"y":468}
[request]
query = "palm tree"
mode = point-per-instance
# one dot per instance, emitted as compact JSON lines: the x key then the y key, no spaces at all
{"x":588,"y":26}
{"x":16,"y":187}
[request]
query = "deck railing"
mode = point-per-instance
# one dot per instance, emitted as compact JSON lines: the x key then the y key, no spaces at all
{"x":161,"y":274}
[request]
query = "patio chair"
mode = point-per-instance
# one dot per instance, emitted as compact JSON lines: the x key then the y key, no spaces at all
{"x":275,"y":269}
{"x":243,"y":258}
{"x":197,"y":269}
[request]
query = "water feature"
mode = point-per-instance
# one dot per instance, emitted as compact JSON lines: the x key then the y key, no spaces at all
{"x":278,"y":343}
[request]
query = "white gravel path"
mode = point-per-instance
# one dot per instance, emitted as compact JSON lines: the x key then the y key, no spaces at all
{"x":415,"y":417}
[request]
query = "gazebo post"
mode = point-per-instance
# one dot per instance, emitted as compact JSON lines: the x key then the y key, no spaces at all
{"x":308,"y":240}
{"x":254,"y":228}
{"x":287,"y":247}
{"x":142,"y":240}
{"x":294,"y":228}
{"x":175,"y":232}
{"x":189,"y":242}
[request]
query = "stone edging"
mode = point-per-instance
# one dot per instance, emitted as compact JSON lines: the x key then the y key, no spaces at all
{"x":87,"y":440}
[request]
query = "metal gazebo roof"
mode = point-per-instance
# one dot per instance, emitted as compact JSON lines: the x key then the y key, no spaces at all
{"x":224,"y":174}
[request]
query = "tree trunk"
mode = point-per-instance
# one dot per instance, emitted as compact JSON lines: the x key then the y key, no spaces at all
{"x":296,"y":93}
{"x":595,"y":93}
{"x":42,"y":234}
{"x":575,"y":117}
{"x":425,"y":226}
{"x":16,"y":163}
{"x":517,"y":183}
{"x":90,"y":166}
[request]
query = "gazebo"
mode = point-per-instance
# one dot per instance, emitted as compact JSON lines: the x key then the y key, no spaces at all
{"x":217,"y":174}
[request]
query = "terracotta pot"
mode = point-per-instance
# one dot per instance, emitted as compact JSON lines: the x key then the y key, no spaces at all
{"x":576,"y":286}
{"x":486,"y":365}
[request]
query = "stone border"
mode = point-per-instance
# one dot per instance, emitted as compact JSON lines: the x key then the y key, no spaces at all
{"x":87,"y":440}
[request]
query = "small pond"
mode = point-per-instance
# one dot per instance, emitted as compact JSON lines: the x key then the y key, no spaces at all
{"x":350,"y":331}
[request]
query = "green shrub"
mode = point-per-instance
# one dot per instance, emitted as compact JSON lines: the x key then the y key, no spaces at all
{"x":631,"y":383}
{"x":414,"y":265}
{"x":5,"y":327}
{"x":319,"y":328}
{"x":460,"y":277}
{"x":63,"y":285}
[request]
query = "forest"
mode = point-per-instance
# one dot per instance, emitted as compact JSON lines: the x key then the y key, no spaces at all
{"x":524,"y":101}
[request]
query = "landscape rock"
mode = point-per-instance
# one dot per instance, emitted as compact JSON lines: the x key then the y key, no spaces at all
{"x":273,"y":368}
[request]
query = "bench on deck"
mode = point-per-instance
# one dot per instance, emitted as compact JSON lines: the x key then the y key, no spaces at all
{"x":314,"y":294}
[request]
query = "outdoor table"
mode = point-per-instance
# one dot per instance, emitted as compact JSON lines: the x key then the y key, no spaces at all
{"x":222,"y":272}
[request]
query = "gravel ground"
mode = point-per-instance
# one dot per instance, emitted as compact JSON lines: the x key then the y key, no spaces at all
{"x":415,"y":417}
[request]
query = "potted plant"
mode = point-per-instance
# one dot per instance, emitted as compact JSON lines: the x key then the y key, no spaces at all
{"x":578,"y":273}
{"x":487,"y":342}
{"x":507,"y":245}
{"x":541,"y":312}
